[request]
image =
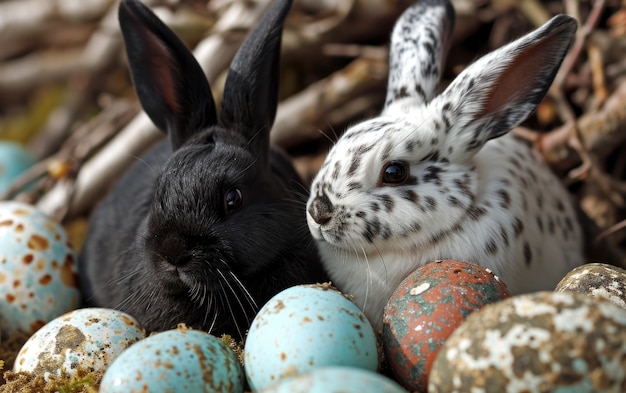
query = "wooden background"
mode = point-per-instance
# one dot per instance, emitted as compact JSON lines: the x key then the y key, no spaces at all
{"x":65,"y":91}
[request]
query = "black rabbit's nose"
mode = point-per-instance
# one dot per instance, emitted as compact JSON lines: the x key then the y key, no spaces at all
{"x":321,"y":209}
{"x":181,"y":260}
{"x":173,"y":249}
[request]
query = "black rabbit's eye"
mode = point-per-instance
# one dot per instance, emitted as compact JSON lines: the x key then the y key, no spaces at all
{"x":233,"y":199}
{"x":395,"y":173}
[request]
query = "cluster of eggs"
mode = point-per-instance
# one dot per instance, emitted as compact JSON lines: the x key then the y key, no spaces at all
{"x":450,"y":326}
{"x":308,"y":338}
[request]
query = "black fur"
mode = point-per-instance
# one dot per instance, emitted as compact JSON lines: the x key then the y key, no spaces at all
{"x":164,"y":245}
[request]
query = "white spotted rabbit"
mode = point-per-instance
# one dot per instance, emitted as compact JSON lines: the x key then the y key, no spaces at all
{"x":439,"y":177}
{"x":210,"y":224}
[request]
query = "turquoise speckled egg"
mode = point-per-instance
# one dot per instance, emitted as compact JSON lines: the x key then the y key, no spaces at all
{"x":336,"y":380}
{"x":88,"y":338}
{"x":14,"y":160}
{"x":175,"y":361}
{"x":37,"y":269}
{"x":305,"y":327}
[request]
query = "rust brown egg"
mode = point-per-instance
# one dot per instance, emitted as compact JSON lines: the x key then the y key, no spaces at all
{"x":426,"y":308}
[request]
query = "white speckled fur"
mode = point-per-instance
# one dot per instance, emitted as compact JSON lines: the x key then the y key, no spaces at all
{"x":474,"y":192}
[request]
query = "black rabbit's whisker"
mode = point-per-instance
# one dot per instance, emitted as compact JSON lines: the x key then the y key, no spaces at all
{"x":215,"y":314}
{"x":145,"y":163}
{"x":230,"y":308}
{"x":194,"y":294}
{"x":122,"y":279}
{"x":232,"y":290}
{"x":209,"y":303}
{"x":292,"y":202}
{"x":300,"y":189}
{"x":239,"y":176}
{"x":254,"y":136}
{"x":149,"y":301}
{"x":246,"y":293}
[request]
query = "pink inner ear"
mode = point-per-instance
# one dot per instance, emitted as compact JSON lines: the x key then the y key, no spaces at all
{"x":162,"y":69}
{"x":520,"y":77}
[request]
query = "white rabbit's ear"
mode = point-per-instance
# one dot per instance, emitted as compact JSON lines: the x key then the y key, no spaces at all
{"x":501,"y":89}
{"x":419,"y":44}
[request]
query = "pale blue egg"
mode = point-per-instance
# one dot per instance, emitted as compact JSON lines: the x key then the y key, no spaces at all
{"x":306,"y":327}
{"x":336,"y":380}
{"x":14,"y":160}
{"x":89,"y":339}
{"x":38,"y":280}
{"x":175,"y":361}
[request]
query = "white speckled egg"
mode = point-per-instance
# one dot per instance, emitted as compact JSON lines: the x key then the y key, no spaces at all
{"x":336,"y":379}
{"x":539,"y":342}
{"x":597,"y":280}
{"x":305,"y":327}
{"x":37,"y":269}
{"x":14,"y":160}
{"x":175,"y":361}
{"x":88,"y":338}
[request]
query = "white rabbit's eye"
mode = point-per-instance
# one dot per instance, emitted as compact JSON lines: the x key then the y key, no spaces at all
{"x":394,"y":173}
{"x":233,"y":199}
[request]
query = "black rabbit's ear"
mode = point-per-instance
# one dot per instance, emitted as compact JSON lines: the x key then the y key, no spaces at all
{"x":251,"y":89}
{"x":171,"y":86}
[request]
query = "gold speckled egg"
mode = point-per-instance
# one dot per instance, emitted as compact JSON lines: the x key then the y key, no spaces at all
{"x":598,"y":280}
{"x":539,"y":342}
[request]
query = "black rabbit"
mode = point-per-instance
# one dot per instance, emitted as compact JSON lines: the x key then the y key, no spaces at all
{"x":210,"y":224}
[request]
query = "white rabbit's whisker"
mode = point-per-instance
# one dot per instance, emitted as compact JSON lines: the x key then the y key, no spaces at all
{"x":331,"y":140}
{"x":369,"y":279}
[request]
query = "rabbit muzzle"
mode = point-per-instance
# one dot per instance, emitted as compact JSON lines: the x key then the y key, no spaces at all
{"x":321,"y":209}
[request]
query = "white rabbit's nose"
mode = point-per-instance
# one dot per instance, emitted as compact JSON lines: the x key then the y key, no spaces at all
{"x":321,"y":209}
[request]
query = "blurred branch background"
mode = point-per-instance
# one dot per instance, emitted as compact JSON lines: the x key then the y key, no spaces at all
{"x":65,"y":91}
